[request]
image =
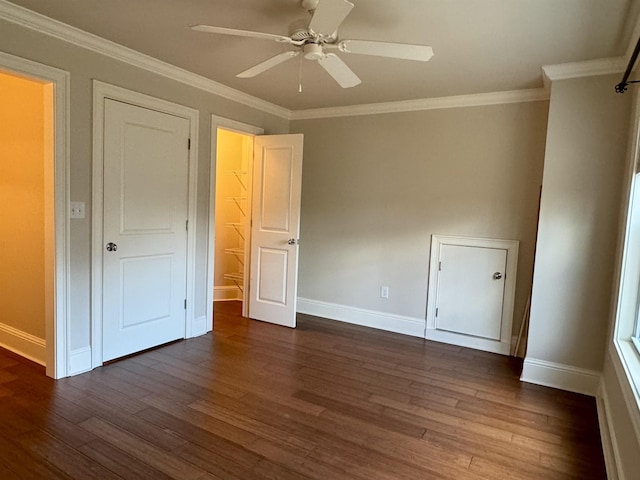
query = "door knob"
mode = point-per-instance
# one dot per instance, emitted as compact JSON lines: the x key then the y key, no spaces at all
{"x":497,"y":276}
{"x":111,"y":247}
{"x":292,"y":241}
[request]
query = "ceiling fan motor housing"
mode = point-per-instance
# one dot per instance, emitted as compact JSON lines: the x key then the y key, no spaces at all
{"x":299,"y":30}
{"x":313,"y":51}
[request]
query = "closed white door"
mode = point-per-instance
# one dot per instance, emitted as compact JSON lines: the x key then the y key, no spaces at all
{"x":145,"y":239}
{"x":471,"y":285}
{"x":277,"y":181}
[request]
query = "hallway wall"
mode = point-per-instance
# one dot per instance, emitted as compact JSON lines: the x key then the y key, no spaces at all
{"x":22,"y":207}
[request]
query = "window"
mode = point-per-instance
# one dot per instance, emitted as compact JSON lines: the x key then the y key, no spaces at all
{"x":626,"y":333}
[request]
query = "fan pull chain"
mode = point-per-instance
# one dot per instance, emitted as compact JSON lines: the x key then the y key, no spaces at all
{"x":300,"y":74}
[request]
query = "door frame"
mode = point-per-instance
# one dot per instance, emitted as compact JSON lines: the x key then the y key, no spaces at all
{"x":101,"y":92}
{"x":238,"y":127}
{"x":57,"y":320}
{"x":502,"y":346}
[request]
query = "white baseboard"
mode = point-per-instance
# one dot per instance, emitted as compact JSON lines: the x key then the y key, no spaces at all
{"x":199,"y":326}
{"x":226,"y":294}
{"x":564,"y":377}
{"x":80,"y":361}
{"x":366,"y":318}
{"x":494,"y":346}
{"x":24,"y":344}
{"x":608,"y":437}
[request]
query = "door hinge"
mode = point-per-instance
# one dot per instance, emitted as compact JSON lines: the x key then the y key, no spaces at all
{"x":189,"y":144}
{"x":185,"y":303}
{"x":186,"y":225}
{"x":439,"y":266}
{"x":437,"y":311}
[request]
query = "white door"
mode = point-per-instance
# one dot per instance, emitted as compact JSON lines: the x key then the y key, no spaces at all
{"x":277,"y":181}
{"x":145,"y":240}
{"x":471,"y":285}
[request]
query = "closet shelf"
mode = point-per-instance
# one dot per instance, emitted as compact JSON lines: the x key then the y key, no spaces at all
{"x":238,"y":228}
{"x":239,"y":174}
{"x":239,"y":201}
{"x":236,"y":277}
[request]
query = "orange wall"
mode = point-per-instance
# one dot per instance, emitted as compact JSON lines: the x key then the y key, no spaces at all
{"x":22,"y":150}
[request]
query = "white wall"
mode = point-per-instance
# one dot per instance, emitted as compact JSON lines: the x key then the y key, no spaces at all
{"x":581,"y":194}
{"x":375,"y":188}
{"x":84,"y":66}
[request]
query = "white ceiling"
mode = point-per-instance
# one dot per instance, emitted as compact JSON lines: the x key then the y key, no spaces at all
{"x":480,"y":46}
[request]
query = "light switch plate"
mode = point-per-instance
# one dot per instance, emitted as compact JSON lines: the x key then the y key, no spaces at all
{"x":77,"y":210}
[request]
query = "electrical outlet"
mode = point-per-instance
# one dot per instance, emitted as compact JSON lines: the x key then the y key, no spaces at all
{"x":76,"y":210}
{"x":384,"y":292}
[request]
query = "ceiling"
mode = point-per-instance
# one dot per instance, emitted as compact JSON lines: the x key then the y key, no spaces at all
{"x":480,"y":46}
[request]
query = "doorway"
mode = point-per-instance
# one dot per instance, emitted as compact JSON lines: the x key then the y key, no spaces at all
{"x":26,"y":199}
{"x":40,"y":331}
{"x":143,"y":221}
{"x":234,"y":165}
{"x":259,"y":236}
{"x":230,"y":213}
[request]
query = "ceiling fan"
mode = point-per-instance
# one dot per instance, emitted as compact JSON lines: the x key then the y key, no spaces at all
{"x":315,"y":40}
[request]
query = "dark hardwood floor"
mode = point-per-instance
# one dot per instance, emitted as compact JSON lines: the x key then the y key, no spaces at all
{"x":325,"y":401}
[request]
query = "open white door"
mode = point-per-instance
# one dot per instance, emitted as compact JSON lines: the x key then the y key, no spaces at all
{"x":277,"y":182}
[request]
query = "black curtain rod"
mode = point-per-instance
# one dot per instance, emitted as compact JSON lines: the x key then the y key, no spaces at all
{"x":622,"y":86}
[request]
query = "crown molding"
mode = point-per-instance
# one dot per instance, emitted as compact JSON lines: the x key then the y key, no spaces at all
{"x":589,"y":68}
{"x":54,"y":28}
{"x":459,"y":101}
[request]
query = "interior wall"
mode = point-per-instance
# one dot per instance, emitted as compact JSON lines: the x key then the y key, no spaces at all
{"x":22,"y":205}
{"x":577,"y":240}
{"x":375,"y":188}
{"x":84,"y":66}
{"x":229,"y":157}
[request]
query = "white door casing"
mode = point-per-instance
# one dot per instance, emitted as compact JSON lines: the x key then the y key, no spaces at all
{"x":192,"y":325}
{"x":471,"y":292}
{"x":146,"y":165}
{"x":277,"y":188}
{"x":57,"y":322}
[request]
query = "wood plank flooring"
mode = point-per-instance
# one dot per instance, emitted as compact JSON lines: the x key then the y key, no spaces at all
{"x":325,"y":401}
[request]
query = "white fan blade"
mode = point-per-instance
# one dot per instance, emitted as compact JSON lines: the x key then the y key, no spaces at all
{"x":329,"y":15}
{"x":267,"y":64}
{"x":405,"y":51}
{"x":243,"y":33}
{"x":339,"y":70}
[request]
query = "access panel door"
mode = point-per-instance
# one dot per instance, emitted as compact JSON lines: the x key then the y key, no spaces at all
{"x":471,"y":290}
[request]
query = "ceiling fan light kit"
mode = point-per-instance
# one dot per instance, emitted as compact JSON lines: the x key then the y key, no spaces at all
{"x":320,"y":34}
